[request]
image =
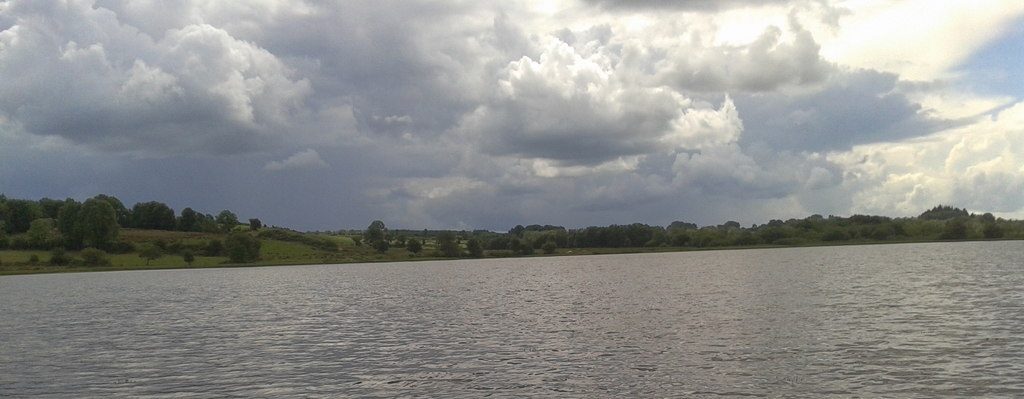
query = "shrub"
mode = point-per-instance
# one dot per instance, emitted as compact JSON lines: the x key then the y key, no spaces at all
{"x":94,"y":257}
{"x":413,"y":246}
{"x":58,"y":257}
{"x":34,"y":259}
{"x":242,"y":247}
{"x":150,"y":252}
{"x":188,"y":256}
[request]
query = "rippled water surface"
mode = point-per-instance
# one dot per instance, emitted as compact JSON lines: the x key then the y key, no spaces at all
{"x":922,"y":320}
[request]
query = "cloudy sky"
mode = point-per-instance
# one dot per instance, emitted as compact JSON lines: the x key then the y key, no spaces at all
{"x":487,"y":114}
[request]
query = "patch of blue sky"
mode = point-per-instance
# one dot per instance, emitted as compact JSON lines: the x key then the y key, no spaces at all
{"x":998,"y":68}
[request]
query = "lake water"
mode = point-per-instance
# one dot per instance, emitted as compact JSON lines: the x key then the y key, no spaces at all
{"x":915,"y":320}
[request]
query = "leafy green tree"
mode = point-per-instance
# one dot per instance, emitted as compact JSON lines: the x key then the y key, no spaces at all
{"x":376,"y":231}
{"x":447,"y":245}
{"x":153,"y":215}
{"x":242,"y":247}
{"x":189,"y":220}
{"x":20,"y":214}
{"x":992,"y":230}
{"x":150,"y":252}
{"x":94,"y":257}
{"x":122,"y":213}
{"x":50,"y":207}
{"x":255,"y":224}
{"x":955,"y":229}
{"x":227,"y":220}
{"x":98,"y":223}
{"x":42,"y":233}
{"x":413,"y":245}
{"x":474,"y":248}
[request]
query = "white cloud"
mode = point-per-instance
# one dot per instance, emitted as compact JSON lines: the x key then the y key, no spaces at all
{"x":918,"y":39}
{"x":308,"y":159}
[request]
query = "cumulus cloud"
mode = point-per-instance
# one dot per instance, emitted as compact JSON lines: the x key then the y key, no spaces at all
{"x":487,"y":113}
{"x":87,"y":77}
{"x":977,"y":166}
{"x":308,"y":159}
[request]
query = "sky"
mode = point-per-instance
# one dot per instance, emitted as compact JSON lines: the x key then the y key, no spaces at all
{"x":479,"y":114}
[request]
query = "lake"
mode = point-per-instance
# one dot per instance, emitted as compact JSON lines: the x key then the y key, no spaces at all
{"x":908,"y":320}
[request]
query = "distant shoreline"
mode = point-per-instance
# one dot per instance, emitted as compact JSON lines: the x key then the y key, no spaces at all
{"x":21,"y":270}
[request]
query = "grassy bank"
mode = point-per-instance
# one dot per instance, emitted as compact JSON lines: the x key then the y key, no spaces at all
{"x":311,"y":250}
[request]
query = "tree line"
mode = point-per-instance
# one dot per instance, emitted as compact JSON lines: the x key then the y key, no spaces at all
{"x":95,"y":225}
{"x":942,"y":222}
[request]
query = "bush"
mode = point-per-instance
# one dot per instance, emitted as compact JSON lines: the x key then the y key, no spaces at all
{"x":242,"y":247}
{"x":58,"y":257}
{"x":94,"y":257}
{"x":188,"y":256}
{"x":413,"y":246}
{"x":150,"y":252}
{"x":34,"y":259}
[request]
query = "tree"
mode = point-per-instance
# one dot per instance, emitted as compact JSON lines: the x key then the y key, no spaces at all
{"x":68,"y":224}
{"x":992,"y":230}
{"x":955,"y":229}
{"x":20,"y":214}
{"x":98,"y":223}
{"x":227,"y":220}
{"x":188,"y":256}
{"x":150,"y":252}
{"x":152,"y":215}
{"x":376,"y":231}
{"x":414,"y":246}
{"x":474,"y":248}
{"x":189,"y":220}
{"x":381,"y":246}
{"x":242,"y":247}
{"x":255,"y":224}
{"x":447,"y":245}
{"x":122,"y":213}
{"x":42,"y":233}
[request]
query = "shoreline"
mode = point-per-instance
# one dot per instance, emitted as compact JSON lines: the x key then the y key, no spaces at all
{"x":48,"y":269}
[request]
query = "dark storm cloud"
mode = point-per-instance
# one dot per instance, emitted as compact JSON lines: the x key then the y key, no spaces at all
{"x":854,"y":108}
